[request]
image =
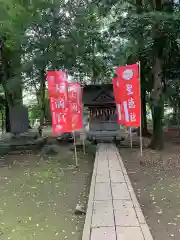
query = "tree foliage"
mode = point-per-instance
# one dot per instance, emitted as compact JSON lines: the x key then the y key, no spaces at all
{"x":89,"y":39}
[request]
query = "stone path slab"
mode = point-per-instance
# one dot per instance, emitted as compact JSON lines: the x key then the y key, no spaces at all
{"x":113,"y":212}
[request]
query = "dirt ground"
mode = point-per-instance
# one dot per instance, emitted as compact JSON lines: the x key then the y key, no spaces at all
{"x":39,"y":195}
{"x":157,"y":185}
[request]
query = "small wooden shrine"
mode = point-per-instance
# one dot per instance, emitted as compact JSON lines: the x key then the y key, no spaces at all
{"x":99,"y":99}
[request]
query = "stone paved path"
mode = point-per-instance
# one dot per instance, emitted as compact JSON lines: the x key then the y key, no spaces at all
{"x":113,"y":211}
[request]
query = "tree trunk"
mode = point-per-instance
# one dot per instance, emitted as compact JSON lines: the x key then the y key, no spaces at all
{"x":157,"y":92}
{"x":143,"y":114}
{"x":177,"y":118}
{"x":42,"y":96}
{"x":37,"y":91}
{"x":157,"y":106}
{"x":138,"y":6}
{"x":4,"y":80}
{"x":9,"y":69}
{"x":8,"y":125}
{"x":14,"y":70}
{"x":2,"y":120}
{"x":145,"y":132}
{"x":8,"y":103}
{"x":157,"y":142}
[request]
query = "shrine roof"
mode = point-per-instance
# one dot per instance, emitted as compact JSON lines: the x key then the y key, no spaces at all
{"x":100,"y":94}
{"x":99,"y":86}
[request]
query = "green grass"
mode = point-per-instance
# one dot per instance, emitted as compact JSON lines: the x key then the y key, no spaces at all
{"x":38,"y":197}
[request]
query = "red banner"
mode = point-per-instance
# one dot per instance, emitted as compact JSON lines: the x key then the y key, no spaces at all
{"x":57,"y":83}
{"x":58,"y":95}
{"x":127,"y":95}
{"x":65,"y":103}
{"x":75,"y":105}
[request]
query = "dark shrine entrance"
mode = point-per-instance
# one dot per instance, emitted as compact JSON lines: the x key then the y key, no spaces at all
{"x":102,"y":112}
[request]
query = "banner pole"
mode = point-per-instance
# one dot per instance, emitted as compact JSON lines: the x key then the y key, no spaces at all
{"x":141,"y":140}
{"x":83,"y":141}
{"x":84,"y":146}
{"x":75,"y":150}
{"x":130,"y":133}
